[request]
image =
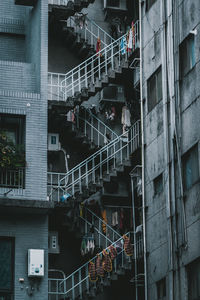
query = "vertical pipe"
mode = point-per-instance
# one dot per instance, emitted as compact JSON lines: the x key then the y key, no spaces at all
{"x":142,"y":149}
{"x":134,"y":237}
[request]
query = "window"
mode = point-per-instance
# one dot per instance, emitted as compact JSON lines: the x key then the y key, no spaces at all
{"x":186,"y":55}
{"x":154,"y":89}
{"x":161,"y":289}
{"x":113,"y":3}
{"x":158,"y":184}
{"x":190,"y":167}
{"x":149,"y":3}
{"x":14,"y":128}
{"x":6,"y":268}
{"x":12,"y":149}
{"x":193,"y":272}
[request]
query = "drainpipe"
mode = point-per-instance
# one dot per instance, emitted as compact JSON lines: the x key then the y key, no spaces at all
{"x":134,"y":236}
{"x":166,"y":146}
{"x":142,"y":150}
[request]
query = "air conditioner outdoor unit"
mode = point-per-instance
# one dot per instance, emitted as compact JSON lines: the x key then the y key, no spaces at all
{"x":53,"y":142}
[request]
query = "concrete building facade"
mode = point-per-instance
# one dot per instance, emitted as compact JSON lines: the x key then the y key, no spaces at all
{"x":159,"y":202}
{"x":170,"y":97}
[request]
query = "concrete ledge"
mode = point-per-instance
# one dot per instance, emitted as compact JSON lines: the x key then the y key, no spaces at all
{"x":31,"y":206}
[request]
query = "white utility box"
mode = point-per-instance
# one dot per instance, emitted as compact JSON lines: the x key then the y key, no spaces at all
{"x":36,"y":262}
{"x":53,"y":142}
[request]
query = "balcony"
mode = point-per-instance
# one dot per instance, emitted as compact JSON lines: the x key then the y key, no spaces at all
{"x":12,"y":180}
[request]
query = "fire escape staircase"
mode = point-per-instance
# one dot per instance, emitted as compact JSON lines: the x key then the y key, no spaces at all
{"x":93,"y":74}
{"x":96,"y":170}
{"x":62,"y":9}
{"x":78,"y":285}
{"x":81,"y":36}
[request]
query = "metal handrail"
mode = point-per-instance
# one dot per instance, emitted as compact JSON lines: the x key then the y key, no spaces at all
{"x":85,"y":266}
{"x":91,"y":168}
{"x":90,"y":31}
{"x":93,"y":127}
{"x":59,"y":2}
{"x":84,"y":75}
{"x":102,"y":221}
{"x":78,"y":281}
{"x":79,"y":77}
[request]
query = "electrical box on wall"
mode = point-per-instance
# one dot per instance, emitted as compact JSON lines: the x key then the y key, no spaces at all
{"x":35,"y":262}
{"x":53,"y":142}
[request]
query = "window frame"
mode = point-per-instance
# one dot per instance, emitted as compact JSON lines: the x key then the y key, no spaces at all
{"x":148,"y":6}
{"x":156,"y":180}
{"x":8,"y":293}
{"x":187,"y":55}
{"x":161,"y":283}
{"x":152,"y":102}
{"x":192,"y":275}
{"x":188,"y":157}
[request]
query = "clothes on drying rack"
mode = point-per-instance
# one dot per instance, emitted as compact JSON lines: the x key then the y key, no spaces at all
{"x":126,"y":116}
{"x":71,"y":116}
{"x":87,"y":245}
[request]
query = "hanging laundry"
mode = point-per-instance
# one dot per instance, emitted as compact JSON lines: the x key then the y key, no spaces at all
{"x":81,"y":209}
{"x":121,"y":220}
{"x":115,"y":218}
{"x":113,"y":252}
{"x":98,"y":47}
{"x":123,"y":45}
{"x":128,"y":248}
{"x":107,"y":263}
{"x":104,"y":217}
{"x":83,"y":247}
{"x":130,"y":40}
{"x":70,"y":116}
{"x":87,"y":245}
{"x":126,"y":116}
{"x":92,"y":272}
{"x":99,"y":266}
{"x":65,"y":197}
{"x":133,"y":31}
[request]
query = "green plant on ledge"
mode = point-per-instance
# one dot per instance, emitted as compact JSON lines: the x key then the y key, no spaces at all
{"x":11,"y":156}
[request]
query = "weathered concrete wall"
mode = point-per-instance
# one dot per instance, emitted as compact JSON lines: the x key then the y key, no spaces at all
{"x":156,"y":215}
{"x":29,"y":232}
{"x":19,"y":78}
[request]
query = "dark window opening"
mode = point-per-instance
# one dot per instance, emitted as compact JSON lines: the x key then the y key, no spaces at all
{"x":154,"y":87}
{"x":161,"y":289}
{"x":158,"y":184}
{"x":6,"y":268}
{"x":193,"y":271}
{"x":113,"y":3}
{"x":186,"y":55}
{"x":12,"y":149}
{"x":149,"y":3}
{"x":190,"y":167}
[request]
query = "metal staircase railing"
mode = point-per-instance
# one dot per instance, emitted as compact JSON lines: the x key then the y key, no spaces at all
{"x":76,"y":284}
{"x":59,"y":2}
{"x":108,"y":59}
{"x":92,"y":127}
{"x":102,"y":237}
{"x":89,"y":31}
{"x":93,"y":70}
{"x":91,"y":170}
{"x":54,"y":86}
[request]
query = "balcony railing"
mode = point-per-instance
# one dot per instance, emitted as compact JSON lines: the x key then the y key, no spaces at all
{"x":12,"y":178}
